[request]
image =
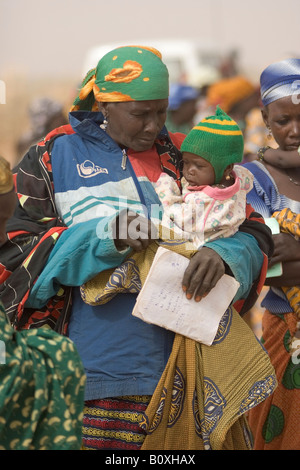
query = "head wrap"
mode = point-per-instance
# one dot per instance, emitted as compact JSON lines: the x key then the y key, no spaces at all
{"x":218,"y":139}
{"x":280,"y":80}
{"x":229,"y":91}
{"x":6,"y":177}
{"x":129,"y":73}
{"x":179,"y":94}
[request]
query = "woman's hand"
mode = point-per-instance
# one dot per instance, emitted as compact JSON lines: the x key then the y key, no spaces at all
{"x":286,"y":248}
{"x":134,"y":231}
{"x":205,"y":268}
{"x":287,"y":252}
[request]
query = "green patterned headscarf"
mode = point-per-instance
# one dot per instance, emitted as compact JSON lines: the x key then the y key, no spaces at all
{"x":130,"y":73}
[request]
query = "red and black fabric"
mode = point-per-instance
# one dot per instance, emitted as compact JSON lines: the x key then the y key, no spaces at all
{"x":32,"y":233}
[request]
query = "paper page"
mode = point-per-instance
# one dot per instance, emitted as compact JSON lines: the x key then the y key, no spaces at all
{"x":276,"y":269}
{"x":162,"y":301}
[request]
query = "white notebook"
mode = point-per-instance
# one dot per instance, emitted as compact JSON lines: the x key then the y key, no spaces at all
{"x":162,"y":301}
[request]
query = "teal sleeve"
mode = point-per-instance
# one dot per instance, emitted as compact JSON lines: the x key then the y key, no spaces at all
{"x":81,"y":252}
{"x":243,"y":256}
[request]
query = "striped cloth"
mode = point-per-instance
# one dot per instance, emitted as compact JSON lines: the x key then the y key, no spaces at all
{"x":113,"y":423}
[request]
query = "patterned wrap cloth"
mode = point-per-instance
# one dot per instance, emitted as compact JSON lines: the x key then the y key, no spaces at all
{"x":205,"y":391}
{"x":130,"y":276}
{"x":289,"y":222}
{"x":41,"y":390}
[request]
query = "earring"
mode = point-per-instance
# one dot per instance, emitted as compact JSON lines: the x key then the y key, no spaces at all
{"x":228,"y":177}
{"x":104,"y":124}
{"x":269,"y":136}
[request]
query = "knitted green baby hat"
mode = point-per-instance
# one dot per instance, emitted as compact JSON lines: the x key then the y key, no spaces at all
{"x":218,"y":139}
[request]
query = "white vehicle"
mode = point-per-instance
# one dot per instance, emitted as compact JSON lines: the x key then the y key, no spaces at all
{"x":182,"y":57}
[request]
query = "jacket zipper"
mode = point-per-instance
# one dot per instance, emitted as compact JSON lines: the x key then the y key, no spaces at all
{"x":124,"y":159}
{"x":135,"y":180}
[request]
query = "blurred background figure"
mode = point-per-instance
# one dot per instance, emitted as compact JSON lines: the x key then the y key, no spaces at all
{"x":236,"y":96}
{"x":256,"y":135}
{"x":201,"y":78}
{"x":241,"y":100}
{"x":182,"y":108}
{"x":44,"y":114}
{"x":229,"y":64}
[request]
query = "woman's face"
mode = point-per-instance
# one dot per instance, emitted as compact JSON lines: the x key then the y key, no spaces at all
{"x":7,"y":207}
{"x":283,"y":117}
{"x":135,"y":124}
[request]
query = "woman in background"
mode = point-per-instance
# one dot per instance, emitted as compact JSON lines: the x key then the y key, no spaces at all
{"x":276,"y":193}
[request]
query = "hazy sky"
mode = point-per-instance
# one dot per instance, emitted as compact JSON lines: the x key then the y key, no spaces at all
{"x":51,"y":37}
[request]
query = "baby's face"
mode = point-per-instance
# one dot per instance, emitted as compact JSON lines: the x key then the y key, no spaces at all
{"x":196,"y":170}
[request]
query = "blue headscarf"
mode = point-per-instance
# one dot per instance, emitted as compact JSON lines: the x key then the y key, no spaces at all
{"x":280,"y":80}
{"x":179,"y":94}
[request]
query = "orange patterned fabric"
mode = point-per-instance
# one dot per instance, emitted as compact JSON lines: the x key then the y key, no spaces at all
{"x":130,"y":71}
{"x":114,"y":96}
{"x":229,"y":91}
{"x":275,"y":422}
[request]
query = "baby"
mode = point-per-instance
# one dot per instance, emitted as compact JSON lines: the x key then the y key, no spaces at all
{"x":212,"y":200}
